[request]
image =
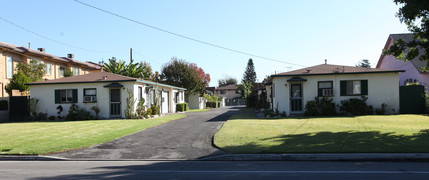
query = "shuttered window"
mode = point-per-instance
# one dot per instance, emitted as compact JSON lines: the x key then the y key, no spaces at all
{"x":353,"y":87}
{"x":65,"y":96}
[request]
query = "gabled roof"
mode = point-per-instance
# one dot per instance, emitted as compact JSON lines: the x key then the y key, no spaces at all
{"x":329,"y":69}
{"x":28,"y":51}
{"x":98,"y":77}
{"x":228,"y":87}
{"x":407,"y":38}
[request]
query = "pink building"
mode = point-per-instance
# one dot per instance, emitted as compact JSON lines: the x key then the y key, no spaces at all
{"x":413,"y":69}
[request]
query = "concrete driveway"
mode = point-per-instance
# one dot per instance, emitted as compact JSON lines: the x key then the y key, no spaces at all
{"x":187,"y":138}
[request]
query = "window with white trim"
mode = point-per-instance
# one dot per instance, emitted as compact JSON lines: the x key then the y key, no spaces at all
{"x":9,"y":64}
{"x":75,"y":71}
{"x":90,"y":95}
{"x":48,"y":69}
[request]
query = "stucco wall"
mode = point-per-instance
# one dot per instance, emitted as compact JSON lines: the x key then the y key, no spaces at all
{"x":197,"y":102}
{"x":382,"y":88}
{"x":46,"y":96}
{"x":229,"y":94}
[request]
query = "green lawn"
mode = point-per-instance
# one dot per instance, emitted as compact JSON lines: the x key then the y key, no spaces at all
{"x":198,"y":110}
{"x":48,"y":137}
{"x":244,"y":133}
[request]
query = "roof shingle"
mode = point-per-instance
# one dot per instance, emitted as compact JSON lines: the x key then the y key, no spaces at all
{"x":325,"y":69}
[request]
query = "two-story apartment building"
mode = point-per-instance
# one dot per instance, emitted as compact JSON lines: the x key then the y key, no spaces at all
{"x":11,"y":55}
{"x":231,"y":94}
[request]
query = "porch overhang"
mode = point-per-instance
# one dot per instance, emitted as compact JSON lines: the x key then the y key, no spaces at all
{"x":114,"y":85}
{"x":296,"y":79}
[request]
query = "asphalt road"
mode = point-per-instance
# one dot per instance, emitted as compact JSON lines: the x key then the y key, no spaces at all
{"x":187,"y":138}
{"x":208,"y":170}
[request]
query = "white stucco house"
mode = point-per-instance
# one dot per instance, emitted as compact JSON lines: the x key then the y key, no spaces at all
{"x":290,"y":91}
{"x":106,"y":90}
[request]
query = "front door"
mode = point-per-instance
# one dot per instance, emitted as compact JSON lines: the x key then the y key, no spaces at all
{"x":165,"y":101}
{"x":115,"y":102}
{"x":296,"y":98}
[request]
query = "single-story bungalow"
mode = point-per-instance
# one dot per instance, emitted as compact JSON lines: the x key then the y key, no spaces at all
{"x":106,"y":90}
{"x":290,"y":91}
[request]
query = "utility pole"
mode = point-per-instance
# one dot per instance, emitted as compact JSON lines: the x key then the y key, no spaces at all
{"x":131,"y":55}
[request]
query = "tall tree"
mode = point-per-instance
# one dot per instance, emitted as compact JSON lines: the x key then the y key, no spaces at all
{"x":227,"y":81}
{"x":179,"y":73}
{"x":415,"y":14}
{"x":364,"y":63}
{"x":249,"y":73}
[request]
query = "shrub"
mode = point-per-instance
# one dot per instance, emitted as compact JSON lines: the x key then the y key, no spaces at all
{"x":129,"y":111}
{"x":37,"y":117}
{"x":186,"y":107}
{"x":356,"y":107}
{"x":51,"y":118}
{"x":149,"y":112}
{"x":83,"y":114}
{"x":96,"y":111}
{"x":141,"y":109}
{"x":182,"y":107}
{"x":73,"y":113}
{"x":155,"y":110}
{"x":320,"y":106}
{"x":382,"y":110}
{"x":268,"y":113}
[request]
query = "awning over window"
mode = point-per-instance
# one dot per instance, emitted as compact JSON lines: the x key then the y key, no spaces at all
{"x":296,"y":79}
{"x":113,"y":85}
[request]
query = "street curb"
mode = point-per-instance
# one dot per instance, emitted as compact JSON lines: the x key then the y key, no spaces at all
{"x":322,"y":157}
{"x":30,"y":158}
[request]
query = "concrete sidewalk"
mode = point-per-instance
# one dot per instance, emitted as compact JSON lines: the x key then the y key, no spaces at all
{"x":264,"y":157}
{"x":322,"y":157}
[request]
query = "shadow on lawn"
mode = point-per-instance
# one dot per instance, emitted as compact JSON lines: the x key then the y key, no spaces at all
{"x":340,"y":142}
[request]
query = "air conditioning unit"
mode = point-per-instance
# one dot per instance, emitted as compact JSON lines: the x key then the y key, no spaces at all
{"x":328,"y":92}
{"x":89,"y":98}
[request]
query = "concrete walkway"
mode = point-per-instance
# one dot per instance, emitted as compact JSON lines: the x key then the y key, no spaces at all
{"x":188,"y":138}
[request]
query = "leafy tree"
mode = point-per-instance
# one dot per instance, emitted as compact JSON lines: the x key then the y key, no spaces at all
{"x":148,"y":73}
{"x":205,"y":77}
{"x":415,"y":14}
{"x":227,"y":81}
{"x":179,"y":73}
{"x":364,"y":63}
{"x":68,"y":72}
{"x":136,"y":70}
{"x":26,"y":73}
{"x":246,"y":88}
{"x":249,"y":73}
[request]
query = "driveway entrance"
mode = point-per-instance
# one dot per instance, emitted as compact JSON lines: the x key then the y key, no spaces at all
{"x":187,"y":138}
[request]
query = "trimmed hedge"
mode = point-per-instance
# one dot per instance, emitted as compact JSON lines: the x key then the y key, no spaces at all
{"x":182,"y":107}
{"x":212,"y":104}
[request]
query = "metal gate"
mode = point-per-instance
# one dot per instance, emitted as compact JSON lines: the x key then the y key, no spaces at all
{"x":18,"y":108}
{"x":412,"y":99}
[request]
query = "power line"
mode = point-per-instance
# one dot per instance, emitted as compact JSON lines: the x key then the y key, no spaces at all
{"x":50,"y":39}
{"x":183,"y":36}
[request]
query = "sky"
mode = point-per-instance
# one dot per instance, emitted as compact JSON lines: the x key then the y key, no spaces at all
{"x":296,"y":33}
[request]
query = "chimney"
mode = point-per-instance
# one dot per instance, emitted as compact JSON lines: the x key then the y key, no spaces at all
{"x":41,"y":49}
{"x":104,"y":77}
{"x":29,"y":45}
{"x":308,"y":70}
{"x":326,"y":61}
{"x":71,"y":56}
